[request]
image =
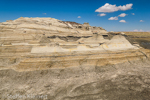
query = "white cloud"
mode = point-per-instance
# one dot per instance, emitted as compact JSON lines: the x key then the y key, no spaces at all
{"x":112,"y":8}
{"x":122,"y":15}
{"x":44,"y":13}
{"x":141,"y":30}
{"x":133,"y":13}
{"x":79,"y":16}
{"x":126,"y":7}
{"x":107,"y":8}
{"x":135,"y":30}
{"x":102,"y":14}
{"x":141,"y":20}
{"x":122,"y":21}
{"x":113,"y":18}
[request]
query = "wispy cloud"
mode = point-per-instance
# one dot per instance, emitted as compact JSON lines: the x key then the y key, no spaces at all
{"x":136,"y":30}
{"x":141,"y":30}
{"x":79,"y":17}
{"x":112,"y":8}
{"x":45,"y":13}
{"x":122,"y":15}
{"x":103,"y":14}
{"x":113,"y":18}
{"x":133,"y":13}
{"x":122,"y":21}
{"x":141,"y":20}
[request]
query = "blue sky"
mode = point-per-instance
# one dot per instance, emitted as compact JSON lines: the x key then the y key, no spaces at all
{"x":70,"y":10}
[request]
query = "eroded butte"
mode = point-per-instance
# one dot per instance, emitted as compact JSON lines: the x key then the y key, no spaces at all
{"x":40,"y":43}
{"x":70,"y":61}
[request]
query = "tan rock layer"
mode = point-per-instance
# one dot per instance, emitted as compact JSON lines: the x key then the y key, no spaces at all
{"x":33,"y":62}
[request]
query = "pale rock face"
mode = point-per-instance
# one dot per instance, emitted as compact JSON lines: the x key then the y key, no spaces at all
{"x":39,"y":29}
{"x":90,"y":44}
{"x":122,"y":33}
{"x":44,"y":24}
{"x":118,"y":42}
{"x":27,"y":37}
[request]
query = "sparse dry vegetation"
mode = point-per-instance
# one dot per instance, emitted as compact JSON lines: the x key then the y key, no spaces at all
{"x":138,"y":34}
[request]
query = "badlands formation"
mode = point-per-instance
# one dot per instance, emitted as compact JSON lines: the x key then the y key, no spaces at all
{"x":70,"y":61}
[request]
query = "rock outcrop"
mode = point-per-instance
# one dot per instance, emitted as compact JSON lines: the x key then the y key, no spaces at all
{"x":69,"y":61}
{"x":25,"y":40}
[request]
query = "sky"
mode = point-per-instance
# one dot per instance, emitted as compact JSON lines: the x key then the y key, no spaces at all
{"x":112,"y":15}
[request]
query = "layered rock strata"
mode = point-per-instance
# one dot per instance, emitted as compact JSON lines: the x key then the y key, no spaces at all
{"x":41,"y":43}
{"x":70,"y":61}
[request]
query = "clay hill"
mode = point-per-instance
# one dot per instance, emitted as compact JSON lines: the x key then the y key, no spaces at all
{"x":65,"y":60}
